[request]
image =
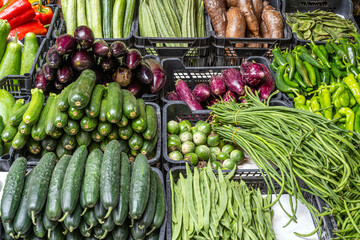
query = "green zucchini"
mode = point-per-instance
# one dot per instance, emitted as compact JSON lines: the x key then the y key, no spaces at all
{"x":108,"y":226}
{"x":149,"y":146}
{"x":139,"y":124}
{"x":80,"y":93}
{"x":126,"y":132}
{"x":68,"y":141}
{"x":2,"y":124}
{"x":38,"y":228}
{"x":16,"y":117}
{"x":103,"y":144}
{"x":4,"y":32}
{"x":72,"y":127}
{"x":107,"y":17}
{"x":57,"y":234}
{"x":24,"y":128}
{"x":61,"y":151}
{"x":96,"y":136}
{"x":49,"y":122}
{"x":128,"y":19}
{"x":123,"y":122}
{"x":104,"y":128}
{"x":83,"y":138}
{"x":88,"y":124}
{"x":49,"y":143}
{"x":76,"y":114}
{"x":70,"y":16}
{"x":39,"y":184}
{"x":93,"y":146}
{"x":13,"y":187}
{"x":72,"y":220}
{"x":85,"y":229}
{"x":19,"y":141}
{"x":32,"y":113}
{"x":114,"y":134}
{"x":57,"y":133}
{"x":62,"y":101}
{"x":153,"y":236}
{"x":114,"y":103}
{"x":9,"y":229}
{"x":151,"y":123}
{"x":134,"y":152}
{"x":160,"y":206}
{"x":92,"y":178}
{"x":34,"y":146}
{"x":118,"y":18}
{"x":93,"y":109}
{"x":90,"y":218}
{"x":102,"y":114}
{"x":75,"y":235}
{"x":96,"y":18}
{"x":99,"y":211}
{"x":29,"y":52}
{"x":81,"y":13}
{"x":61,"y":119}
{"x":136,"y":141}
{"x":149,"y":213}
{"x":48,"y":224}
{"x":11,"y":61}
{"x":9,"y":133}
{"x":38,"y":130}
{"x":130,"y":105}
{"x":98,"y":232}
{"x":124,"y":146}
{"x":137,"y":232}
{"x":121,"y":232}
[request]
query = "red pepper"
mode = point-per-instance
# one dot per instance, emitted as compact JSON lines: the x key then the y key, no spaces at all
{"x":34,"y":26}
{"x":1,"y":3}
{"x":22,"y":18}
{"x":44,"y":14}
{"x":14,"y":8}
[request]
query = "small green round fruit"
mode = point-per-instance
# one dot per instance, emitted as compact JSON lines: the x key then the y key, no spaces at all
{"x":174,"y":145}
{"x":199,"y":138}
{"x":216,"y":165}
{"x":188,"y":147}
{"x":228,"y":164}
{"x":215,"y":150}
{"x":186,"y":136}
{"x":213,"y":139}
{"x":204,"y":127}
{"x":227,"y":148}
{"x":192,"y":158}
{"x":173,"y":127}
{"x":203,"y":152}
{"x":236,"y":156}
{"x":185,"y":126}
{"x":222,"y":156}
{"x":176,"y":156}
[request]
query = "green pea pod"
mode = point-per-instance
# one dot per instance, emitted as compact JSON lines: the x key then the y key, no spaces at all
{"x":354,"y":86}
{"x":290,"y":59}
{"x":325,"y":102}
{"x":278,"y":57}
{"x":300,"y":68}
{"x":311,"y":73}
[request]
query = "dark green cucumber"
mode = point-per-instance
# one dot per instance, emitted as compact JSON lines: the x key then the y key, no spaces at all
{"x":34,"y":146}
{"x":114,"y":103}
{"x":13,"y":188}
{"x":32,"y":113}
{"x":76,"y":114}
{"x":123,"y":122}
{"x":102,"y":114}
{"x":151,"y":123}
{"x":103,"y":144}
{"x":80,"y":93}
{"x":120,"y":213}
{"x":124,"y":146}
{"x":75,"y":235}
{"x":61,"y":151}
{"x":19,"y":141}
{"x":90,"y":218}
{"x":96,"y":136}
{"x":88,"y":124}
{"x":149,"y":145}
{"x":100,"y":212}
{"x":136,"y":141}
{"x":92,"y":178}
{"x":134,"y":152}
{"x":49,"y":143}
{"x":68,"y":141}
{"x":149,"y":213}
{"x":2,"y":124}
{"x":107,"y":18}
{"x":126,"y":132}
{"x":104,"y":128}
{"x":49,"y":122}
{"x":48,"y":224}
{"x":160,"y":206}
{"x":153,"y":236}
{"x":83,"y":138}
{"x":38,"y":228}
{"x":57,"y":234}
{"x":39,"y":184}
{"x":93,"y":146}
{"x":98,"y":231}
{"x":93,"y":109}
{"x":24,"y":128}
{"x":62,"y":101}
{"x":85,"y":229}
{"x":53,"y":206}
{"x":72,"y":181}
{"x":121,"y":232}
{"x":110,"y":176}
{"x":43,"y":152}
{"x":137,"y":232}
{"x":108,"y":226}
{"x":9,"y":133}
{"x":16,"y":117}
{"x":139,"y":186}
{"x":72,"y":220}
{"x":139,"y":124}
{"x":9,"y":229}
{"x":130,"y":106}
{"x":72,"y":127}
{"x":57,"y":133}
{"x":114,"y":134}
{"x":61,"y":119}
{"x":22,"y":221}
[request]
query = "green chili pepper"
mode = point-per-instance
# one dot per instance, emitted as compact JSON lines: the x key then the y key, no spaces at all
{"x":337,"y":94}
{"x":332,"y":78}
{"x":325,"y":76}
{"x":335,"y":71}
{"x":318,"y":77}
{"x":339,"y":52}
{"x":353,"y":86}
{"x":289,"y":58}
{"x":299,"y":80}
{"x":323,"y":50}
{"x":333,"y":87}
{"x":350,"y":118}
{"x":338,"y":62}
{"x":352,"y":99}
{"x":299,"y":103}
{"x":273,"y":66}
{"x":319,"y":54}
{"x":355,"y":108}
{"x":278,"y":57}
{"x":344,"y":42}
{"x":307,"y":58}
{"x":351,"y":54}
{"x":279,"y":81}
{"x":290,"y":95}
{"x":300,"y":68}
{"x":352,"y":70}
{"x":329,"y":48}
{"x":357,"y":120}
{"x":325,"y":102}
{"x":311,"y":73}
{"x":288,"y":81}
{"x":315,"y":105}
{"x":345,"y":99}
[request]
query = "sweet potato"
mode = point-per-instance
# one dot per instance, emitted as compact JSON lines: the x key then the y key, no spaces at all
{"x":274,"y":22}
{"x":247,"y":8}
{"x":232,"y":3}
{"x":236,"y":24}
{"x":258,"y":8}
{"x":217,"y":12}
{"x":264,"y":32}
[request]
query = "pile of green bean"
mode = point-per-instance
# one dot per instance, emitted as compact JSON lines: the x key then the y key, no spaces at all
{"x":302,"y":145}
{"x":207,"y":207}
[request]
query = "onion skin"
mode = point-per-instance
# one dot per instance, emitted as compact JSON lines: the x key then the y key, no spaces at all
{"x":229,"y":96}
{"x":172,"y":96}
{"x":202,"y":92}
{"x":268,"y":86}
{"x":186,"y":95}
{"x":234,"y":81}
{"x":217,"y":85}
{"x":253,"y":73}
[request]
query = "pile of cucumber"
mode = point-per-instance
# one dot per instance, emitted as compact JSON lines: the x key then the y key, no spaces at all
{"x":84,"y":113}
{"x":83,"y":196}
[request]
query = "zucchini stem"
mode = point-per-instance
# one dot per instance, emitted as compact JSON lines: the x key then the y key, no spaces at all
{"x":63,"y":218}
{"x":108,"y":212}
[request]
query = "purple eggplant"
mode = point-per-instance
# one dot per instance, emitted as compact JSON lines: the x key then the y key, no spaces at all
{"x":185,"y":94}
{"x":202,"y":92}
{"x":49,"y":73}
{"x":217,"y":85}
{"x":64,"y":74}
{"x":84,"y":36}
{"x":172,"y":96}
{"x":229,"y":96}
{"x":58,"y":85}
{"x":268,"y":86}
{"x":234,"y":81}
{"x":65,"y":44}
{"x":100,"y":48}
{"x":118,"y":49}
{"x":40,"y":80}
{"x":107,"y":63}
{"x":82,"y":60}
{"x":144,"y":73}
{"x":211,"y":101}
{"x":158,"y":72}
{"x":122,"y":76}
{"x":133,"y":58}
{"x":135,"y":88}
{"x":53,"y":59}
{"x":253,"y":73}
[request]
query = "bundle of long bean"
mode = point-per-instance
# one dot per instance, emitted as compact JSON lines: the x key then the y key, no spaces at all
{"x":303,"y":145}
{"x":207,"y":207}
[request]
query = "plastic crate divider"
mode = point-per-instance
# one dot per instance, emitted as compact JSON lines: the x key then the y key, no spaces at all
{"x":157,"y":157}
{"x":162,"y":234}
{"x":55,"y":20}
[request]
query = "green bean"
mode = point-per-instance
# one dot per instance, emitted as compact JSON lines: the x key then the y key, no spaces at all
{"x":207,"y":202}
{"x":178,"y":199}
{"x":223,"y":195}
{"x":185,"y":211}
{"x":229,"y":205}
{"x":173,"y":215}
{"x":197,"y":193}
{"x":190,"y":201}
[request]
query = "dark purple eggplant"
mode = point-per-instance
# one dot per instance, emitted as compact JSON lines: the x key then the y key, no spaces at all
{"x":158,"y":72}
{"x":234,"y":81}
{"x":82,"y":60}
{"x":253,"y":73}
{"x":185,"y":94}
{"x":64,"y":74}
{"x":58,"y":85}
{"x":268,"y":86}
{"x":100,"y":48}
{"x":202,"y":92}
{"x":172,"y":96}
{"x":65,"y":44}
{"x":211,"y":101}
{"x":40,"y":80}
{"x":122,"y":76}
{"x":144,"y":73}
{"x":84,"y":36}
{"x":217,"y":85}
{"x":49,"y":73}
{"x":107,"y":63}
{"x":133,"y":58}
{"x":118,"y":49}
{"x":229,"y":96}
{"x":53,"y":59}
{"x":135,"y":88}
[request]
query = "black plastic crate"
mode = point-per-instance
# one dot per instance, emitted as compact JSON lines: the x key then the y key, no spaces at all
{"x":253,"y":179}
{"x":55,"y":20}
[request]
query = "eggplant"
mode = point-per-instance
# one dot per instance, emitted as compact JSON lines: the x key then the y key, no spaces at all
{"x":202,"y":92}
{"x":64,"y":74}
{"x":49,"y":73}
{"x":144,"y":73}
{"x":58,"y":85}
{"x":53,"y":59}
{"x":40,"y":80}
{"x":172,"y":96}
{"x":229,"y":96}
{"x":133,"y":58}
{"x":107,"y":63}
{"x":253,"y":73}
{"x":65,"y":44}
{"x":234,"y":81}
{"x":268,"y":86}
{"x":135,"y":88}
{"x":158,"y":72}
{"x":217,"y":85}
{"x":100,"y":48}
{"x":118,"y":49}
{"x":84,"y":36}
{"x":186,"y":95}
{"x":122,"y":76}
{"x":82,"y":60}
{"x":211,"y":101}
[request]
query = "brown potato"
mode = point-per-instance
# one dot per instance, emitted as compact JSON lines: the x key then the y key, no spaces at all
{"x":258,"y":7}
{"x":274,"y":23}
{"x":232,"y":3}
{"x":247,"y":8}
{"x":236,"y":26}
{"x":217,"y":12}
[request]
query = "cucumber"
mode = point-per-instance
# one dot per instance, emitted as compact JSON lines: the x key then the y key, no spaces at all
{"x":151,"y":123}
{"x":96,"y":18}
{"x":124,"y":146}
{"x":93,"y":146}
{"x":120,"y":213}
{"x":104,"y":128}
{"x":149,"y":213}
{"x":72,"y":181}
{"x":95,"y":135}
{"x":160,"y":206}
{"x":149,"y":146}
{"x":81,"y":13}
{"x":114,"y":134}
{"x":11,"y":61}
{"x":102,"y":114}
{"x":62,"y":101}
{"x":29,"y":52}
{"x":93,"y":109}
{"x":19,"y":141}
{"x":121,"y":232}
{"x":32,"y":113}
{"x":123,"y":122}
{"x":153,"y":236}
{"x":108,"y":226}
{"x":136,"y":141}
{"x":38,"y":228}
{"x":49,"y":122}
{"x":70,"y":16}
{"x":139,"y":124}
{"x":88,"y":124}
{"x":38,"y":130}
{"x":75,"y":235}
{"x":92,"y":178}
{"x":53,"y":206}
{"x":128,"y":19}
{"x":110,"y":176}
{"x":48,"y":224}
{"x":13,"y":187}
{"x":103,"y":144}
{"x":22,"y":221}
{"x":90,"y":218}
{"x":2,"y":124}
{"x":34,"y":146}
{"x":49,"y":144}
{"x":137,"y":232}
{"x":76,"y":114}
{"x":80,"y":93}
{"x":72,"y":221}
{"x":126,"y":132}
{"x":9,"y":133}
{"x":100,"y":212}
{"x":57,"y":234}
{"x":114,"y":103}
{"x":4,"y":32}
{"x":61,"y":151}
{"x":9,"y":229}
{"x":83,"y":138}
{"x":68,"y":141}
{"x":24,"y":128}
{"x":130,"y":106}
{"x":16,"y":117}
{"x":72,"y":127}
{"x":60,"y":119}
{"x":98,"y":232}
{"x":82,"y":199}
{"x":107,"y":11}
{"x":39,"y":184}
{"x":118,"y":18}
{"x":85,"y":229}
{"x":57,"y":133}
